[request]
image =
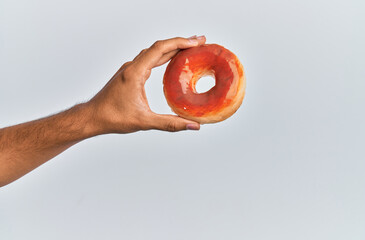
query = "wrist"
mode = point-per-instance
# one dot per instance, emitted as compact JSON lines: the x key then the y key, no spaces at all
{"x":89,"y":122}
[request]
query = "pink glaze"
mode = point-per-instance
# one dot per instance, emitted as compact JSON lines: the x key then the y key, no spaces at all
{"x":188,"y":66}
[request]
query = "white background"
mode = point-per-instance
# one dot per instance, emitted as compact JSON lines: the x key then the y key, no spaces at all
{"x":288,"y":165}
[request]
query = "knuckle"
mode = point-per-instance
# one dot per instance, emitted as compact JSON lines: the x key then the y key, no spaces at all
{"x":120,"y":70}
{"x":128,"y":72}
{"x":158,"y":45}
{"x":171,"y":126}
{"x":143,"y":51}
{"x":126,"y":64}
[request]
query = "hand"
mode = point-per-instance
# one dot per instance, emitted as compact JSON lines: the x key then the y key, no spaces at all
{"x":122,"y":106}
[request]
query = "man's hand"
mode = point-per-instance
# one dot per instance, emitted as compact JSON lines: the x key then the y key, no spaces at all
{"x":120,"y":107}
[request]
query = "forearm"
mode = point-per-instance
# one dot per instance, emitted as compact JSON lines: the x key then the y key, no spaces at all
{"x":26,"y":146}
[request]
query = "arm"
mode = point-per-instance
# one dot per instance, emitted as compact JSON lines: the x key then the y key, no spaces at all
{"x":120,"y":107}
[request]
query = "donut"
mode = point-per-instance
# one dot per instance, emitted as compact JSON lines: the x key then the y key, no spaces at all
{"x":184,"y":71}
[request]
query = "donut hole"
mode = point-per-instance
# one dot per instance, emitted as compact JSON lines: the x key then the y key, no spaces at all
{"x":204,"y":84}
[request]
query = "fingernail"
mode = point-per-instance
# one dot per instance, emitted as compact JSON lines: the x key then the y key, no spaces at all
{"x":193,"y":41}
{"x":192,"y":37}
{"x":192,"y":126}
{"x":200,"y":37}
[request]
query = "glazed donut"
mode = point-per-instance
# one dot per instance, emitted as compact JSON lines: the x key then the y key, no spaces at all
{"x":188,"y":66}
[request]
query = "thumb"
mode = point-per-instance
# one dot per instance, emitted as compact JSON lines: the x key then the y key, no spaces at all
{"x":173,"y":123}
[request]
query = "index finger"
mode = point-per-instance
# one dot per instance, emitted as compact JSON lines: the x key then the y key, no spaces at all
{"x":152,"y":55}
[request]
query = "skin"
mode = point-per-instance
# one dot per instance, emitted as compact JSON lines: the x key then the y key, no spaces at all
{"x":121,"y":106}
